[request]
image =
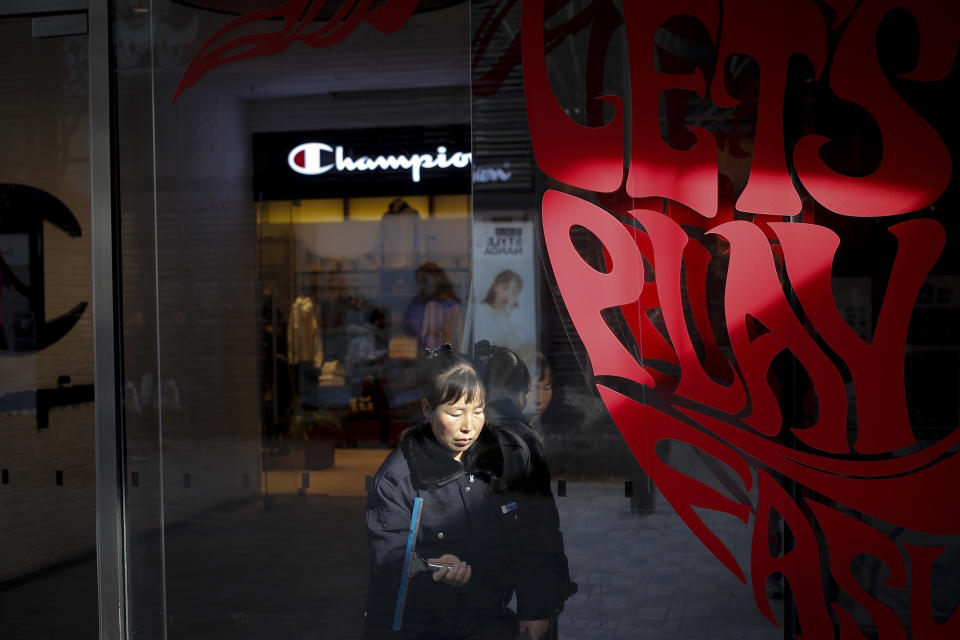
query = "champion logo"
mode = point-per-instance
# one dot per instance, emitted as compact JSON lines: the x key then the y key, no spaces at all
{"x":315,"y":158}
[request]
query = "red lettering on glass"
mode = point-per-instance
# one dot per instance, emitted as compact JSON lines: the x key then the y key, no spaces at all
{"x":915,"y":166}
{"x":848,"y":537}
{"x":778,"y":295}
{"x":770,"y":33}
{"x":622,"y":285}
{"x":653,"y":345}
{"x":489,"y":82}
{"x":876,"y":365}
{"x":800,"y":565}
{"x":882,"y":488}
{"x":585,"y":157}
{"x":657,"y":169}
{"x":924,"y":625}
{"x":297,"y":17}
{"x":753,"y":291}
{"x":602,"y":16}
{"x":669,"y":241}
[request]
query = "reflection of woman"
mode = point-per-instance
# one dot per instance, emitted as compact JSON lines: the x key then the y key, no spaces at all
{"x":494,"y":314}
{"x":435,"y":314}
{"x":507,"y":382}
{"x":542,"y":388}
{"x":474,"y":519}
{"x":548,"y":412}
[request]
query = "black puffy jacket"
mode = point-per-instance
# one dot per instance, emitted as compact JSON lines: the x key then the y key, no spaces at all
{"x":541,"y":504}
{"x":482,"y":511}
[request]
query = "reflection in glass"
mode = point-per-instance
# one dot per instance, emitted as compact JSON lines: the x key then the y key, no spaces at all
{"x":48,"y":575}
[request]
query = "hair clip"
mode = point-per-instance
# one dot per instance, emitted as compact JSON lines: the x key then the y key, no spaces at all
{"x":484,"y":351}
{"x":435,"y":351}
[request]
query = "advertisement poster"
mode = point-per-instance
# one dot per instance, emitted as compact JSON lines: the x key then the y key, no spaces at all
{"x":503,"y":302}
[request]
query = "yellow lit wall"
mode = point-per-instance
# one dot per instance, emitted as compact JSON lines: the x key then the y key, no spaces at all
{"x":326,"y":210}
{"x":332,"y":209}
{"x":302,"y":211}
{"x":374,"y":208}
{"x":455,"y":206}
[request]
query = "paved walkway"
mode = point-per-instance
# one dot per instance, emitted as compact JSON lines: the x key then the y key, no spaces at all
{"x":648,"y":576}
{"x":298,"y":570}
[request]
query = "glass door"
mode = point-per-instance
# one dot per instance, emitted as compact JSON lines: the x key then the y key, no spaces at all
{"x":48,"y":568}
{"x":274,"y":310}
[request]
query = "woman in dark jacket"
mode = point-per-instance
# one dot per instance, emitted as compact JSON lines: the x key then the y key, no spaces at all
{"x":474,"y":520}
{"x":507,"y":381}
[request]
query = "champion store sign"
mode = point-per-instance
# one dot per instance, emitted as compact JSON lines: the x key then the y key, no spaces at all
{"x":316,"y":158}
{"x":346,"y":163}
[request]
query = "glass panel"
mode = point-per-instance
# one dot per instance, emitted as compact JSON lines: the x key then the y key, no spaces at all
{"x":728,"y":447}
{"x":723,"y":246}
{"x":48,"y":575}
{"x":296,"y":230}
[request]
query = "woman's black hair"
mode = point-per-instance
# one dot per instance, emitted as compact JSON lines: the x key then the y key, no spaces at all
{"x":544,"y":368}
{"x":448,"y":376}
{"x":503,"y":373}
{"x":505,"y":276}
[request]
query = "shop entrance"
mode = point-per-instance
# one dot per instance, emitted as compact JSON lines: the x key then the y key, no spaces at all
{"x":345,"y":285}
{"x":363,"y":261}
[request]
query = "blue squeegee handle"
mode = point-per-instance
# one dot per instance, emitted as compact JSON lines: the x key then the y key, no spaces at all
{"x":411,"y":545}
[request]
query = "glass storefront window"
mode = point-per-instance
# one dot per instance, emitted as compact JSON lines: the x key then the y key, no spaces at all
{"x":701,"y":257}
{"x":722,"y":240}
{"x":48,"y":576}
{"x":296,"y":284}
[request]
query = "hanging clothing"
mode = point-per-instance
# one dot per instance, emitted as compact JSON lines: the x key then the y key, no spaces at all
{"x":304,"y":344}
{"x":434,"y":321}
{"x":366,"y":352}
{"x":398,"y":240}
{"x":442,"y":323}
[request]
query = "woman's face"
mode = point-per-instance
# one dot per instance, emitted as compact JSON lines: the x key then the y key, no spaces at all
{"x":542,"y":392}
{"x":456,"y":425}
{"x":506,"y":294}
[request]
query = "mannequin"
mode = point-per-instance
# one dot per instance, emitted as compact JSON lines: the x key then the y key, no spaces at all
{"x":304,"y":346}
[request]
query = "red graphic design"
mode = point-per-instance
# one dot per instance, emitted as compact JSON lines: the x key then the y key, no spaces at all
{"x":665,"y":206}
{"x":769,"y":33}
{"x":298,"y":26}
{"x":904,"y":181}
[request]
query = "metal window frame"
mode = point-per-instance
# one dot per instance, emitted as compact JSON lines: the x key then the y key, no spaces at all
{"x":108,"y":336}
{"x":28,"y":8}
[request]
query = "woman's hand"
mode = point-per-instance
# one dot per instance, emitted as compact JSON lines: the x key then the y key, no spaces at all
{"x":457,"y":575}
{"x":534,"y":629}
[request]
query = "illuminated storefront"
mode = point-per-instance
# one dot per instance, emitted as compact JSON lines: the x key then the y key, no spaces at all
{"x":719,"y":233}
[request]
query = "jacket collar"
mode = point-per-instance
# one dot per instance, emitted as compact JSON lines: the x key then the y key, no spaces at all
{"x":431,"y":465}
